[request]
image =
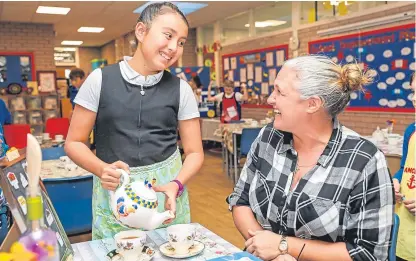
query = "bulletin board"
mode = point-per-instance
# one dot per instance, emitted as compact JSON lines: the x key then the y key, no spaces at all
{"x":206,"y":109}
{"x":257,"y":68}
{"x":390,"y":52}
{"x":14,"y":181}
{"x":16,"y":67}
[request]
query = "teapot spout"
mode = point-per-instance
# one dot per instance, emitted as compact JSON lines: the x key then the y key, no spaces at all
{"x":159,"y":218}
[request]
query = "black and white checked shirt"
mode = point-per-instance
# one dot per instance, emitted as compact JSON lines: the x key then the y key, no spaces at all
{"x":346,"y":197}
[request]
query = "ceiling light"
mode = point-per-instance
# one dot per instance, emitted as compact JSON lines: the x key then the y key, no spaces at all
{"x":267,"y":23}
{"x":71,"y":42}
{"x":65,"y":49}
{"x":90,"y":29}
{"x":186,"y":8}
{"x":52,"y":10}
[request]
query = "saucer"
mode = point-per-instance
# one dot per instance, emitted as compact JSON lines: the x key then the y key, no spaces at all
{"x":146,"y":255}
{"x":169,"y":251}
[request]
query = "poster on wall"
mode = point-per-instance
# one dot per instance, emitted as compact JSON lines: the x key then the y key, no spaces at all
{"x":206,"y":109}
{"x":257,"y":69}
{"x":16,"y":68}
{"x":389,"y":51}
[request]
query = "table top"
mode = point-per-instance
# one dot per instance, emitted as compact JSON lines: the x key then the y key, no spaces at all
{"x":55,"y":169}
{"x":215,"y":246}
{"x":388,"y":149}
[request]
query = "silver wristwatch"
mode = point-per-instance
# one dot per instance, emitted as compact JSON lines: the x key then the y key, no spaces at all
{"x":283,"y":246}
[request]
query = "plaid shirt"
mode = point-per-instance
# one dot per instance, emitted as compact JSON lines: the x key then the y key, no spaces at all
{"x":346,"y":197}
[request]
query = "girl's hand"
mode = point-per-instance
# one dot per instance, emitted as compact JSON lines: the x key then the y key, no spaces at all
{"x":397,"y":194}
{"x":110,"y":177}
{"x":410,"y":205}
{"x":171,"y":190}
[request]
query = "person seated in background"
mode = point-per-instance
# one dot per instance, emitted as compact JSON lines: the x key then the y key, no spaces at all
{"x":5,"y":116}
{"x":404,"y":187}
{"x":312,"y":189}
{"x":229,"y":100}
{"x":77,"y":77}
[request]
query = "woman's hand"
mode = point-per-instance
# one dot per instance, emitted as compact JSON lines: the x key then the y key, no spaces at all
{"x":410,"y":205}
{"x":397,"y":193}
{"x":170,"y":190}
{"x":263,"y":244}
{"x":110,"y":177}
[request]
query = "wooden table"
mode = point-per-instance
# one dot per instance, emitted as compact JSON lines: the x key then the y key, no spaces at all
{"x":215,"y":246}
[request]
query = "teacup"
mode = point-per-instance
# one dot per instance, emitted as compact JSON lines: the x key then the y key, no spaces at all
{"x":46,"y":136}
{"x":181,"y":237}
{"x":65,"y":159}
{"x":59,"y":137}
{"x":394,"y":139}
{"x":130,"y":244}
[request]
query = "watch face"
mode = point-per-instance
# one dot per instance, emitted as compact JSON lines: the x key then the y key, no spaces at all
{"x":283,"y":246}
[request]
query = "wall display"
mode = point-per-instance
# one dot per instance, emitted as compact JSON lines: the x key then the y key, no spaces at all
{"x":390,"y":52}
{"x":16,"y":68}
{"x":34,"y":103}
{"x":46,"y":81}
{"x":65,"y":56}
{"x":256,"y":68}
{"x":50,"y":103}
{"x":13,"y":181}
{"x":17,"y":104}
{"x":206,"y":109}
{"x":62,"y":87}
{"x":19,"y":117}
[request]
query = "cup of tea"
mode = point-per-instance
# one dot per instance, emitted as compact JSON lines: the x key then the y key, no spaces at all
{"x":46,"y":136}
{"x":130,"y":244}
{"x":59,"y":137}
{"x":181,"y":237}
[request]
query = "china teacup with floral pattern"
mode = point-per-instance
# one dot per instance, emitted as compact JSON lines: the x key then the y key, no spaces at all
{"x":181,"y":237}
{"x":130,"y":244}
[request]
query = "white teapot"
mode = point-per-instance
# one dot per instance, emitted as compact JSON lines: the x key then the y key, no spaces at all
{"x":135,"y":204}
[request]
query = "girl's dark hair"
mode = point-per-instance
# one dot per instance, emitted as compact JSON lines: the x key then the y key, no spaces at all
{"x":153,"y":10}
{"x":412,"y":77}
{"x":197,"y":81}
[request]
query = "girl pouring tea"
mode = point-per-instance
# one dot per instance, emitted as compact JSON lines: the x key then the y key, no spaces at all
{"x":137,"y":108}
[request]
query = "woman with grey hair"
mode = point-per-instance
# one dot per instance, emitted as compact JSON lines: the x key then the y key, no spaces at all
{"x":311,"y":188}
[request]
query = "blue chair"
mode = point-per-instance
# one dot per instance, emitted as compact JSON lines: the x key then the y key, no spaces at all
{"x":394,"y":233}
{"x":53,"y":153}
{"x":72,"y":200}
{"x":247,"y":138}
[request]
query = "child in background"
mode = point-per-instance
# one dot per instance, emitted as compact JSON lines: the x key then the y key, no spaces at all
{"x":405,"y":192}
{"x":230,"y":101}
{"x":137,"y":107}
{"x":76,"y":77}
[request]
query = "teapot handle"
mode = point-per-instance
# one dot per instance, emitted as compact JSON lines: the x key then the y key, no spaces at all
{"x":125,"y":175}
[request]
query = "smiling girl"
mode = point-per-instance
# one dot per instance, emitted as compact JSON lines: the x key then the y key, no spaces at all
{"x":137,"y":108}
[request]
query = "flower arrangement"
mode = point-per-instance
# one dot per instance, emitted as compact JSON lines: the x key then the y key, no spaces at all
{"x":390,"y":124}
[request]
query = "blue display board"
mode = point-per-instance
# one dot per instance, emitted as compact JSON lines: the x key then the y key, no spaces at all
{"x":206,"y":109}
{"x":257,"y":68}
{"x":390,"y":52}
{"x":16,"y":68}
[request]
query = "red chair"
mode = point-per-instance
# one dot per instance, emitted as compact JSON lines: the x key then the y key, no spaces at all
{"x":16,"y":135}
{"x":56,"y":126}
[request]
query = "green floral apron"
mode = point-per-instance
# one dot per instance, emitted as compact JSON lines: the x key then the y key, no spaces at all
{"x":104,"y":223}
